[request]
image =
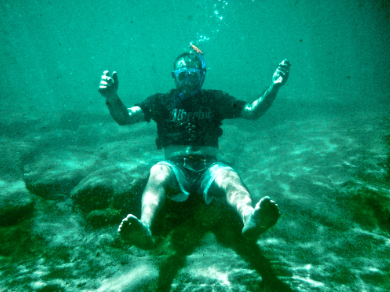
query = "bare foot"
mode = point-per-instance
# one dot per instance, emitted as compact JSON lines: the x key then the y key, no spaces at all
{"x":265,"y":215}
{"x":135,"y":232}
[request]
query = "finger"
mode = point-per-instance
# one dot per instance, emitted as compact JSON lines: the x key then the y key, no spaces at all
{"x":109,"y":81}
{"x":107,"y":78}
{"x":272,"y":203}
{"x":106,"y":72}
{"x":280,"y":72}
{"x":274,"y":207}
{"x":283,"y":66}
{"x":285,"y":62}
{"x":284,"y":69}
{"x":103,"y":84}
{"x":115,"y":77}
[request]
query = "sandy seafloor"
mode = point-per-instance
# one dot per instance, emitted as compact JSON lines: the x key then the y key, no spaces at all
{"x":328,"y":173}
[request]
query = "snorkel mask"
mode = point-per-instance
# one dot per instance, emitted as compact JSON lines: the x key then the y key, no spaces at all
{"x":189,"y":72}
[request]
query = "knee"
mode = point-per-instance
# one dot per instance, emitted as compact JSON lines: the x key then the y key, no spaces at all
{"x":160,"y":174}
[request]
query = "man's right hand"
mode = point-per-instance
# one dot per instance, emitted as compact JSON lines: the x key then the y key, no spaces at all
{"x":108,"y":85}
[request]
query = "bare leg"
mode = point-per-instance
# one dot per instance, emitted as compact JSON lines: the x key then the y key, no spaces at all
{"x":237,"y":196}
{"x":256,"y":220}
{"x":138,"y":232}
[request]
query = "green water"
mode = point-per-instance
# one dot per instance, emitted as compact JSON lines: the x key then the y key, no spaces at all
{"x":321,"y":151}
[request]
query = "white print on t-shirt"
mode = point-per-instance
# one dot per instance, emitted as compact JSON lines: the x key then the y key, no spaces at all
{"x":180,"y":115}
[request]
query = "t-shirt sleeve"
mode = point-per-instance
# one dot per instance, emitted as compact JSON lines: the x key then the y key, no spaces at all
{"x":228,"y":106}
{"x":149,"y":107}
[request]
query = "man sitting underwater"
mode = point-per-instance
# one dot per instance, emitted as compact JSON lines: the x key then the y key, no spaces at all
{"x":189,"y":123}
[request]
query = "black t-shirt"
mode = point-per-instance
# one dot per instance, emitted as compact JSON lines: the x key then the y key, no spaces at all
{"x":193,"y":121}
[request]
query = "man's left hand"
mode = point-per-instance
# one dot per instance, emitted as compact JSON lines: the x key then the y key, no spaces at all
{"x":281,"y":74}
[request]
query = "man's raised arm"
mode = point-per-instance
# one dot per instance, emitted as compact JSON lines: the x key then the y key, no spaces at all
{"x":257,"y":108}
{"x":123,"y":116}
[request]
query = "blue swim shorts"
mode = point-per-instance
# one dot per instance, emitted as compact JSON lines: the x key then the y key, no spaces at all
{"x":195,"y":174}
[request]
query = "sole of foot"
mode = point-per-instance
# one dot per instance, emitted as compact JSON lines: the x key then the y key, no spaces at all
{"x":265,"y":215}
{"x":133,"y":231}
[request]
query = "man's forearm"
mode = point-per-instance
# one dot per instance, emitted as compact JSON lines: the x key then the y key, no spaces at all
{"x":121,"y":114}
{"x":260,"y":105}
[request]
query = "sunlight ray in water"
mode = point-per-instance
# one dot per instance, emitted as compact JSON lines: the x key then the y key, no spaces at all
{"x":309,"y":281}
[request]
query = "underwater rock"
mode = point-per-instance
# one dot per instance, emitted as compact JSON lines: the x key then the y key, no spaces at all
{"x":117,"y":186}
{"x":16,"y":203}
{"x":57,"y":172}
{"x":99,"y":218}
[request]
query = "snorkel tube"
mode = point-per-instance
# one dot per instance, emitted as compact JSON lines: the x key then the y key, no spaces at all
{"x":199,"y":53}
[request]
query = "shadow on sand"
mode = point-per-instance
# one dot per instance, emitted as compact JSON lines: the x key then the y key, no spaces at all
{"x":180,"y":237}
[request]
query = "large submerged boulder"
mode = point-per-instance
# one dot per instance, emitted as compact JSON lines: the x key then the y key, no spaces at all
{"x":111,"y":192}
{"x":16,"y":203}
{"x":55,"y":173}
